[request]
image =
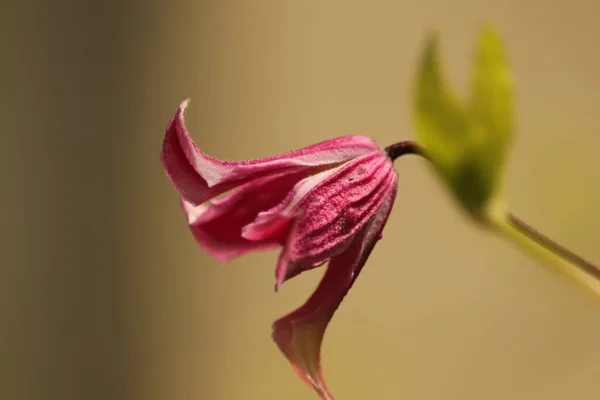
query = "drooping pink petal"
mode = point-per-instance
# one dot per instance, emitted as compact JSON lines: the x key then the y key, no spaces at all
{"x":333,"y":211}
{"x":199,"y":177}
{"x":299,"y":335}
{"x":217,"y":226}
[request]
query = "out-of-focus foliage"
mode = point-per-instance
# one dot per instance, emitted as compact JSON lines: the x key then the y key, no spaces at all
{"x":467,"y":141}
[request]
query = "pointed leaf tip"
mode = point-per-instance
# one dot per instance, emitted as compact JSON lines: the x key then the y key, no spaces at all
{"x":492,"y":87}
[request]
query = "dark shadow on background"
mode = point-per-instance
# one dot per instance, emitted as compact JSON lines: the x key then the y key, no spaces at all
{"x":69,"y":93}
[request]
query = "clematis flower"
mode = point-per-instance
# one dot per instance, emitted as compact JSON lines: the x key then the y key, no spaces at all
{"x":324,"y":203}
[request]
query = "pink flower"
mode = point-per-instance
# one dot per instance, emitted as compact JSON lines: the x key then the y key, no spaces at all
{"x":324,"y":203}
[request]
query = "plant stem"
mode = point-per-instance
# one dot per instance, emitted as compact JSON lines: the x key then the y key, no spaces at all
{"x":556,"y":248}
{"x":575,"y":267}
{"x":514,"y":229}
{"x":402,"y":148}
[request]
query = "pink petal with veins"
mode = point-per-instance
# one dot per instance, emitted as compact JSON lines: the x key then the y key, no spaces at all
{"x":299,"y":335}
{"x":199,"y":177}
{"x":218,"y":225}
{"x":333,"y":211}
{"x":287,"y":209}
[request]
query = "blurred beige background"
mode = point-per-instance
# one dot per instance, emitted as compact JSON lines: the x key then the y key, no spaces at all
{"x":104,"y":293}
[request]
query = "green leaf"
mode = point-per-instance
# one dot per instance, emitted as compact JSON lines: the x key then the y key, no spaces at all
{"x":467,"y":142}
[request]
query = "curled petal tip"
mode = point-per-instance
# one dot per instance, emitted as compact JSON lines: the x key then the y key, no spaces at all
{"x":279,"y":279}
{"x":324,"y":394}
{"x":184,"y":105}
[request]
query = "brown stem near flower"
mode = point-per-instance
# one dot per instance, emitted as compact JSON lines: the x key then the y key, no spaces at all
{"x":554,"y":247}
{"x":402,"y":148}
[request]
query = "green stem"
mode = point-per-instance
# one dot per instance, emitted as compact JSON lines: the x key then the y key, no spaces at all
{"x":514,"y":229}
{"x":565,"y":261}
